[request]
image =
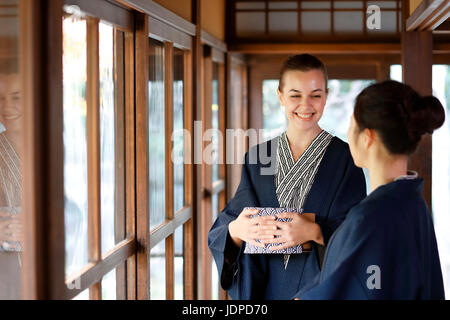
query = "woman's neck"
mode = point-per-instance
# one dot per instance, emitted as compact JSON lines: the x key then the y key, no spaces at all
{"x":300,"y":140}
{"x":384,"y":170}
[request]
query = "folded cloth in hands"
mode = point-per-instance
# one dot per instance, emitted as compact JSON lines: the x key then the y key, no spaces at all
{"x":249,"y":248}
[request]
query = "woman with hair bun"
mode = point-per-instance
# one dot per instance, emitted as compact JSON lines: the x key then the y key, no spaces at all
{"x":386,"y":248}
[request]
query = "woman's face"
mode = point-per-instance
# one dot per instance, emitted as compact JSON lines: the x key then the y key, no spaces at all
{"x":304,"y":95}
{"x":10,"y":108}
{"x":355,"y":142}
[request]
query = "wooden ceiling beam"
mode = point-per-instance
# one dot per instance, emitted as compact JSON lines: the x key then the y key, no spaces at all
{"x":428,"y":15}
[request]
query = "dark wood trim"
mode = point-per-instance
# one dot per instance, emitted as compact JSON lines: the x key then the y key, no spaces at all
{"x":157,"y":11}
{"x":114,"y":13}
{"x":212,"y":41}
{"x":316,"y":48}
{"x":168,"y":228}
{"x":206,"y":182}
{"x":41,"y":50}
{"x":428,"y":10}
{"x":93,"y":272}
{"x":168,"y":99}
{"x":142,"y":174}
{"x":197,"y":95}
{"x":164,"y":32}
{"x":417,"y":61}
{"x":188,"y":233}
{"x":222,"y":189}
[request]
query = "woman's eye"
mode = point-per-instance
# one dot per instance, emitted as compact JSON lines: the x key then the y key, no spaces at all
{"x":316,"y":97}
{"x":295,"y":96}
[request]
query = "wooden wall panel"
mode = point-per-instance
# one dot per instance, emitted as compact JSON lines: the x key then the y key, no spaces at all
{"x":213,"y":17}
{"x":183,"y":8}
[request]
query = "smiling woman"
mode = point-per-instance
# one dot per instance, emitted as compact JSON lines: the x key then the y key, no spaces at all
{"x":308,"y":161}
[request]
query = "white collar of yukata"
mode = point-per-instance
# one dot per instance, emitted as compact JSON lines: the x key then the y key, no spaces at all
{"x":410,"y":175}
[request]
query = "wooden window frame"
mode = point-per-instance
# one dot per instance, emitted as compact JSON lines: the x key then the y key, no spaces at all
{"x":121,"y":256}
{"x":209,"y":188}
{"x":299,"y":35}
{"x":171,"y":38}
{"x":42,"y":50}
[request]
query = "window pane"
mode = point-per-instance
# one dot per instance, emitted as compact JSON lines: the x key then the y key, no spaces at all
{"x":283,"y":22}
{"x":109,"y":286}
{"x":388,"y":23}
{"x":441,"y":172}
{"x":215,"y":123}
{"x":316,"y":22}
{"x":396,"y":72}
{"x":178,"y":126}
{"x":156,"y":141}
{"x":107,"y":135}
{"x":348,"y":22}
{"x":10,"y":152}
{"x":114,"y":284}
{"x":179,"y":263}
{"x":158,"y":272}
{"x":74,"y":137}
{"x":84,"y":295}
{"x":250,"y":23}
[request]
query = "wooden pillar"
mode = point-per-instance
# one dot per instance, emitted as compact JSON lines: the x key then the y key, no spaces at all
{"x":417,"y":62}
{"x":142,"y":183}
{"x":43,"y":271}
{"x":197,"y":95}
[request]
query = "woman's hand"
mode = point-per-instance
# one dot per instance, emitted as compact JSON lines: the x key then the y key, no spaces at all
{"x":299,"y":230}
{"x":249,"y":229}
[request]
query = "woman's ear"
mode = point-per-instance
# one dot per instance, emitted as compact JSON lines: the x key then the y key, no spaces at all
{"x":369,"y":137}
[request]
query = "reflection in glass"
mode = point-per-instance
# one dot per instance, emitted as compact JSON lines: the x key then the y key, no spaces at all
{"x":215,"y":123}
{"x":156,"y":141}
{"x":74,"y":137}
{"x":11,"y":113}
{"x":178,"y":126}
{"x":179,"y":263}
{"x":158,"y":272}
{"x":107,"y":136}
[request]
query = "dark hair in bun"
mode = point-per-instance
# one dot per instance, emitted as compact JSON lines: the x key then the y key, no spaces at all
{"x":399,"y":115}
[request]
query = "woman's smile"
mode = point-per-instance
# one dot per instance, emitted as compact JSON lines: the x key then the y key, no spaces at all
{"x":304,"y":116}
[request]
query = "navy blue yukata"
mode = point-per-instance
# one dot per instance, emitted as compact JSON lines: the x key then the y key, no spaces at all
{"x":385,"y":249}
{"x":337,"y":187}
